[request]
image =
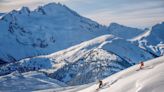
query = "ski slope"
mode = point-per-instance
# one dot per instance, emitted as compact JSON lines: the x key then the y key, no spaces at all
{"x":149,"y":79}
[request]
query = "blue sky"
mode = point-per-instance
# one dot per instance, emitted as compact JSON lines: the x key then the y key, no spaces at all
{"x":135,"y":13}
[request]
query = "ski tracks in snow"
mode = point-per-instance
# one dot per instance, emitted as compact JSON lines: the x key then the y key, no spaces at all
{"x":108,"y":84}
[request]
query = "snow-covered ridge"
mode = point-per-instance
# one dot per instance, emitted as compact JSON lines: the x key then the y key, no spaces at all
{"x":108,"y":57}
{"x":153,"y":40}
{"x":124,"y":31}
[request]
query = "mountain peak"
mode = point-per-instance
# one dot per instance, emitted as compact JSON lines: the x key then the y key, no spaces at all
{"x":114,"y":24}
{"x":158,"y":30}
{"x":24,"y":10}
{"x":53,"y":4}
{"x":53,"y":9}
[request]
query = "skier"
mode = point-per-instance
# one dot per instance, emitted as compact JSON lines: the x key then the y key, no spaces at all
{"x":141,"y":65}
{"x":100,"y":83}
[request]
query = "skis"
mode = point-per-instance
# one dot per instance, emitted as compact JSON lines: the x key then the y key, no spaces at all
{"x":138,"y":69}
{"x":144,"y":68}
{"x":103,"y":86}
{"x":106,"y":85}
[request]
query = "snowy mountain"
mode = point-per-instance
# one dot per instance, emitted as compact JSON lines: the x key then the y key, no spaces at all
{"x":45,"y":30}
{"x":149,"y":79}
{"x":84,"y":63}
{"x":26,"y":65}
{"x":124,"y":31}
{"x":153,"y":40}
{"x":51,"y":28}
{"x":97,"y":59}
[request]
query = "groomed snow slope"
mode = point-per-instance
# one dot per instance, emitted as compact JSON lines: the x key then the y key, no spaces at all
{"x":149,"y":79}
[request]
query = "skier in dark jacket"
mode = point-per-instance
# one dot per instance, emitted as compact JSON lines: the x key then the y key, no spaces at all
{"x":100,"y":83}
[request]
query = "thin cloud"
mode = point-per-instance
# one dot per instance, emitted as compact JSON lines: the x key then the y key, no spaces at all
{"x":137,"y":14}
